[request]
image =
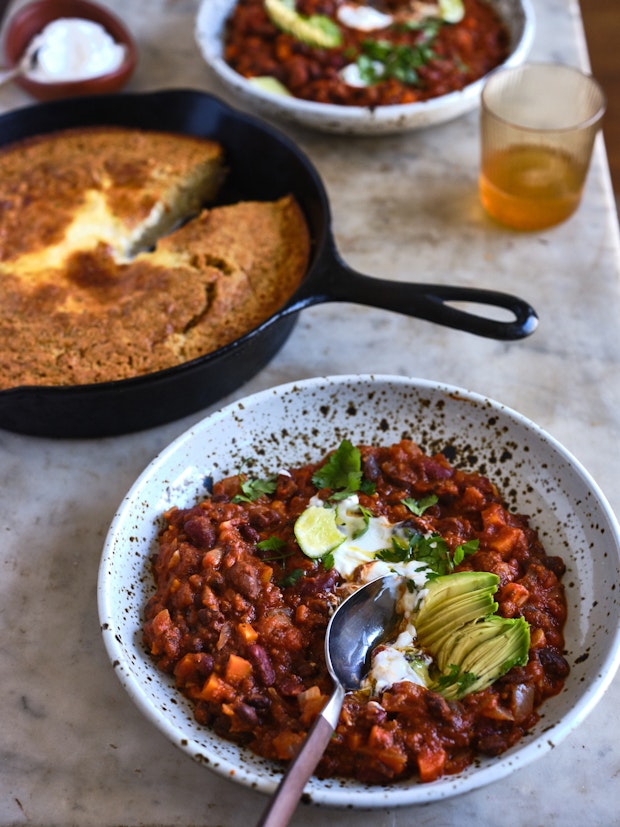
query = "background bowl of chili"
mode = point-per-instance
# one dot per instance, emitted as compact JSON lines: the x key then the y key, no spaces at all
{"x":517,"y":16}
{"x":300,"y":422}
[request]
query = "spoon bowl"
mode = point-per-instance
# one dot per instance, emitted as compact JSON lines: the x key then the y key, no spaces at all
{"x":360,"y":623}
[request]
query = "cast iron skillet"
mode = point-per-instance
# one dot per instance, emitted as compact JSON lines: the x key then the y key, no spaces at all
{"x":263,"y":165}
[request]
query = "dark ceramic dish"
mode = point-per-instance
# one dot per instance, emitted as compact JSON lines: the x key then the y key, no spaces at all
{"x":263,"y":165}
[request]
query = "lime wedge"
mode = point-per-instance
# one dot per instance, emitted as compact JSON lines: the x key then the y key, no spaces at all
{"x":452,"y":11}
{"x":270,"y":84}
{"x":316,"y":531}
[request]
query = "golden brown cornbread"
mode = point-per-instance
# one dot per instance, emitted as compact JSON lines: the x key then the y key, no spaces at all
{"x":125,"y":187}
{"x":78,"y":307}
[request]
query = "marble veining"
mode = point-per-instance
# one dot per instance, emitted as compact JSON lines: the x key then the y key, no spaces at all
{"x":74,"y":749}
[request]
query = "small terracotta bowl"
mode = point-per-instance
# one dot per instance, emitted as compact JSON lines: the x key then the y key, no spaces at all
{"x":30,"y":20}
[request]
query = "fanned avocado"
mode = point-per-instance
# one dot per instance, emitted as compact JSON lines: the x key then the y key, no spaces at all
{"x":317,"y":30}
{"x":451,"y":601}
{"x":483,"y":653}
{"x":471,"y":646}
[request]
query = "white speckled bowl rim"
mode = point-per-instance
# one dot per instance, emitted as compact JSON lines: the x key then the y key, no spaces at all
{"x":301,"y":421}
{"x":355,"y":120}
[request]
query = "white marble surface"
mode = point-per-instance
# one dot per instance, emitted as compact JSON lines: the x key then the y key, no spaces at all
{"x":74,"y":750}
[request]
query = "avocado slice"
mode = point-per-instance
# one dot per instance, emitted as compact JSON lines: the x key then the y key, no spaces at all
{"x":317,"y":30}
{"x":471,"y":645}
{"x":270,"y":84}
{"x":484,"y":652}
{"x":448,"y":622}
{"x":451,"y":601}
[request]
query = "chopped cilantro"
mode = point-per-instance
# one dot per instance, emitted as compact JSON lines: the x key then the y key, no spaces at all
{"x":253,"y":489}
{"x":270,"y":544}
{"x":342,"y":472}
{"x":328,"y":560}
{"x":291,"y":578}
{"x":462,"y":551}
{"x":418,"y":507}
{"x":454,"y":676}
{"x":399,"y":552}
{"x":366,"y":515}
{"x":428,"y":28}
{"x":273,"y":544}
{"x":381,"y":59}
{"x":434,"y":551}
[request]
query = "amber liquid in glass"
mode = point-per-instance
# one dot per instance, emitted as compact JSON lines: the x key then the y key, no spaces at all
{"x":530,"y":187}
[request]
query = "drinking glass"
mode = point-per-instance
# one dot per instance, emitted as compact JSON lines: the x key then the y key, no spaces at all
{"x":537,"y":128}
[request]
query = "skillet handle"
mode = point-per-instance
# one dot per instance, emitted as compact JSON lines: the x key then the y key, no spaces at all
{"x":431,"y":302}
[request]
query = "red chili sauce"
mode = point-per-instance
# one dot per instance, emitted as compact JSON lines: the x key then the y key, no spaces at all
{"x":462,"y":53}
{"x":242,"y":629}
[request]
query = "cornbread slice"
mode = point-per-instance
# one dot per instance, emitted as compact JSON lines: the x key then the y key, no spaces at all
{"x":122,"y":187}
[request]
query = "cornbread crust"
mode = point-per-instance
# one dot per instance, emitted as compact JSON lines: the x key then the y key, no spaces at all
{"x":89,"y":312}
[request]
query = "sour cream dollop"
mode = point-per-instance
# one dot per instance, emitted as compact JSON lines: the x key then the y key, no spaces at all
{"x":350,"y":74}
{"x":72,"y":49}
{"x":362,"y":18}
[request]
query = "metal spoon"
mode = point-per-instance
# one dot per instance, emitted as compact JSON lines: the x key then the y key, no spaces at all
{"x":361,"y":622}
{"x":27,"y":63}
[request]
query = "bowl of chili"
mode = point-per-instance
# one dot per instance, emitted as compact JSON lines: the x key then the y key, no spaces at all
{"x":401,"y":77}
{"x":561,"y":562}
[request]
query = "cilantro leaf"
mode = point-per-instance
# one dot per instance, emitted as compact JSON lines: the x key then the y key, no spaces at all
{"x":270,"y":544}
{"x":328,"y":560}
{"x":454,"y":676}
{"x":464,"y":550}
{"x":342,"y":472}
{"x":291,"y":578}
{"x":273,"y":544}
{"x":366,"y":515}
{"x":432,"y":550}
{"x":418,"y":507}
{"x":253,"y":489}
{"x":397,"y":61}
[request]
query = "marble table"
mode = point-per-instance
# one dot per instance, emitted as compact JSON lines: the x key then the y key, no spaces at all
{"x":74,"y":750}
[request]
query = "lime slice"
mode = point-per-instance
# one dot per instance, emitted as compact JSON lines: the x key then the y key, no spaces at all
{"x":270,"y":84}
{"x":452,"y":11}
{"x":316,"y":531}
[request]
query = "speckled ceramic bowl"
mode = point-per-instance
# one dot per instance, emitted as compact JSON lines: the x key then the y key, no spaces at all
{"x":355,"y":120}
{"x":300,"y":422}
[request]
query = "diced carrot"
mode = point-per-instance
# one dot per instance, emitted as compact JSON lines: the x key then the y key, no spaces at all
{"x":380,"y":738}
{"x":394,"y":758}
{"x":216,"y":690}
{"x":265,"y":575}
{"x":354,"y":741}
{"x":506,"y":539}
{"x":247,"y":632}
{"x":287,"y":744}
{"x":237,"y":669}
{"x":301,"y":613}
{"x":431,"y":763}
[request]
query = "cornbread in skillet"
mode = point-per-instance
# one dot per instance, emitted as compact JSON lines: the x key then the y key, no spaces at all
{"x":98,"y":284}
